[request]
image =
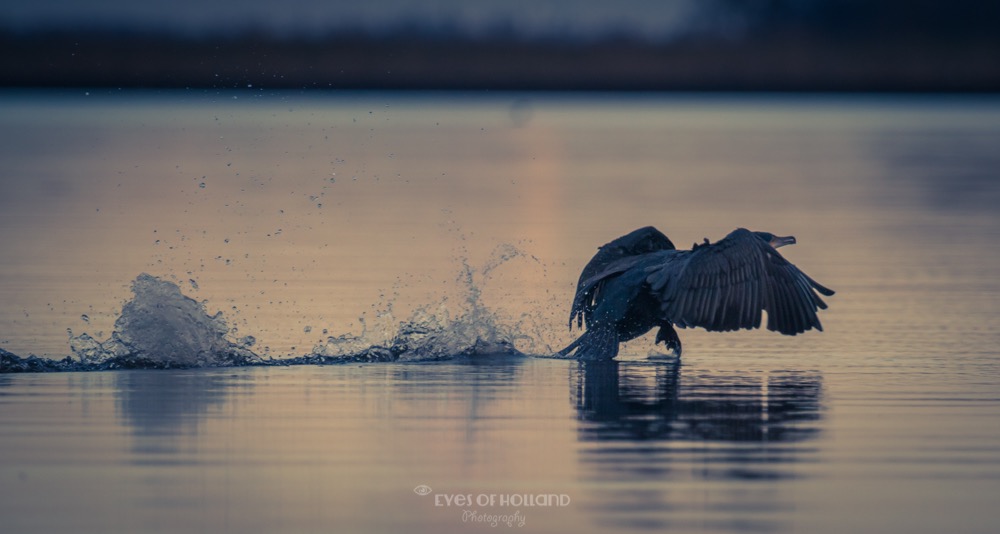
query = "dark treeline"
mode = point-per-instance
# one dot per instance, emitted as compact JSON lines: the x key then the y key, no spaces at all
{"x":931,"y":21}
{"x":738,"y":45}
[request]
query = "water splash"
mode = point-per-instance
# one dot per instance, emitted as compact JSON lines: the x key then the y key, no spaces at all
{"x":431,"y":333}
{"x":161,"y":328}
{"x":424,"y":337}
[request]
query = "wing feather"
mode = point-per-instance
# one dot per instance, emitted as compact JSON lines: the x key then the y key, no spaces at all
{"x":728,"y":285}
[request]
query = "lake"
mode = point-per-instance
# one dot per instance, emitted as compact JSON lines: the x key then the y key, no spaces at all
{"x":312,"y":218}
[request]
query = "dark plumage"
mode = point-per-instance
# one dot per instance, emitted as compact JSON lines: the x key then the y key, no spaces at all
{"x":639,"y":281}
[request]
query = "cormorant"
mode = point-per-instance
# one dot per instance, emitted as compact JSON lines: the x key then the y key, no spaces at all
{"x":640,"y":281}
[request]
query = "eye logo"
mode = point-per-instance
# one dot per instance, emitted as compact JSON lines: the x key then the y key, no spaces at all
{"x":422,"y":490}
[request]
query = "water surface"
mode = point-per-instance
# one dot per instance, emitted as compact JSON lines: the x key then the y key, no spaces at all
{"x":294,"y":214}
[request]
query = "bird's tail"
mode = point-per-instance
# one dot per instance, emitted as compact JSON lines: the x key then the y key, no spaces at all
{"x":594,"y":344}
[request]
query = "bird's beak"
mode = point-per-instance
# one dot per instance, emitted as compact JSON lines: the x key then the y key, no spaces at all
{"x":779,"y":241}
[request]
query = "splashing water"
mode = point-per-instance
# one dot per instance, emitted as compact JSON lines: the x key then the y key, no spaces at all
{"x":432,"y":334}
{"x":159,"y":328}
{"x":162,"y":328}
{"x":424,"y":337}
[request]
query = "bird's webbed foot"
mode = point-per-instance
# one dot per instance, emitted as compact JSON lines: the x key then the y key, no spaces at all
{"x":669,"y":337}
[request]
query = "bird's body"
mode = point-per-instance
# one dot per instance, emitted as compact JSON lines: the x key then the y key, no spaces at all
{"x":639,"y":281}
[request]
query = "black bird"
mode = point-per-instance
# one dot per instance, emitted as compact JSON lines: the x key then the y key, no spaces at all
{"x":640,"y":281}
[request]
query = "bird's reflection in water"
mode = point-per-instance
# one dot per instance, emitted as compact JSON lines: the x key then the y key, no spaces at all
{"x":662,"y":442}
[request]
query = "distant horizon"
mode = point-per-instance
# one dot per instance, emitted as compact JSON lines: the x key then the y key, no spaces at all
{"x":584,"y":19}
{"x":551,"y":45}
{"x":777,"y":61}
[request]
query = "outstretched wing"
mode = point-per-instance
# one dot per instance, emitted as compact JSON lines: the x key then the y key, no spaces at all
{"x":603,"y":265}
{"x":726,"y":285}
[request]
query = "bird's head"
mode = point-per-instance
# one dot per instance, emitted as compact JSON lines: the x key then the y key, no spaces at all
{"x":776,"y":241}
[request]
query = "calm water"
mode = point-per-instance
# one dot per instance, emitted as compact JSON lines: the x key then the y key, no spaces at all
{"x":294,"y":214}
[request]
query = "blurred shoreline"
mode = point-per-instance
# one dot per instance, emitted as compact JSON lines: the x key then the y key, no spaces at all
{"x":783,"y":61}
